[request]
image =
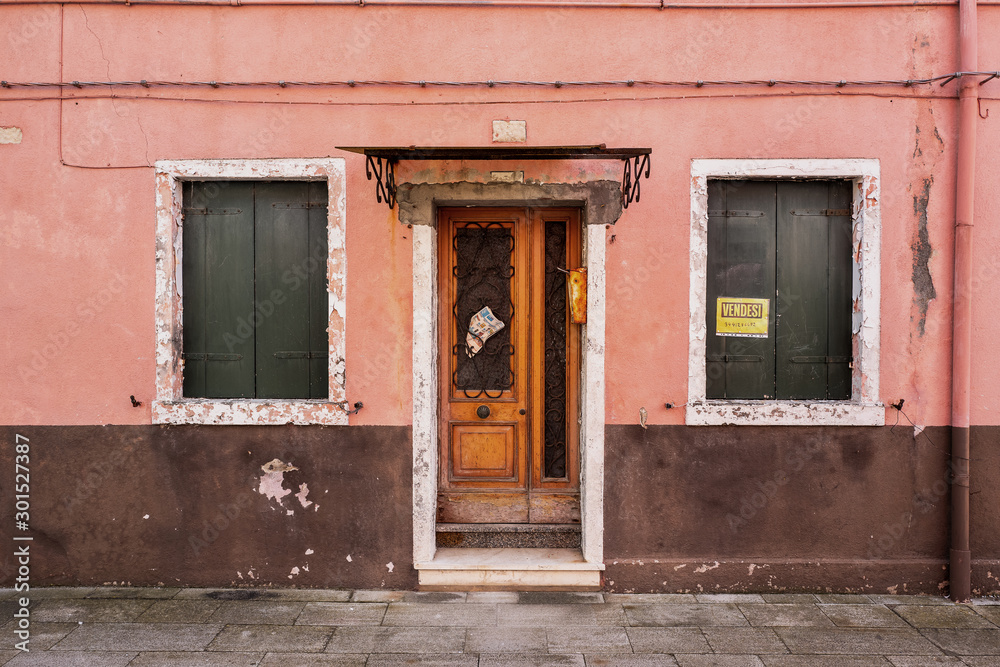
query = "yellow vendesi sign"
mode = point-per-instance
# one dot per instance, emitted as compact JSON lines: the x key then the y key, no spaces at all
{"x":741,"y":317}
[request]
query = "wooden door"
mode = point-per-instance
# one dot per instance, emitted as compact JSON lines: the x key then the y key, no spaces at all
{"x":509,"y":411}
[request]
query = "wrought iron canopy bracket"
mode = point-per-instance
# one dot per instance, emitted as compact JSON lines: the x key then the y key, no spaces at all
{"x":380,"y":162}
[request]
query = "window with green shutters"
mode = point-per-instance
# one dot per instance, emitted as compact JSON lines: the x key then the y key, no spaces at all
{"x":786,"y":243}
{"x":255,"y":306}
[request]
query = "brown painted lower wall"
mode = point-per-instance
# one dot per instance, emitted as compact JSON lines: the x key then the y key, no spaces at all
{"x":705,"y":508}
{"x":788,"y":508}
{"x":179,"y":506}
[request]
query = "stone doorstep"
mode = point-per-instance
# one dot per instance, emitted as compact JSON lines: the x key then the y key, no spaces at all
{"x":509,"y":569}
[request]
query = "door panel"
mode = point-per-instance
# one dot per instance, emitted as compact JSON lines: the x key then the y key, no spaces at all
{"x":483,"y":450}
{"x":509,"y":413}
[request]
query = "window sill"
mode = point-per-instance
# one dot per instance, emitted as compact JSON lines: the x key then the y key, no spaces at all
{"x":784,"y":413}
{"x":249,"y":412}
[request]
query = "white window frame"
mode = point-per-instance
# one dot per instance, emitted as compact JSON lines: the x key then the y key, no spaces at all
{"x":170,"y":406}
{"x":863,"y":408}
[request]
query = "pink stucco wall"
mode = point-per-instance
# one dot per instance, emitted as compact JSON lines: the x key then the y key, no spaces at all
{"x":77,"y":244}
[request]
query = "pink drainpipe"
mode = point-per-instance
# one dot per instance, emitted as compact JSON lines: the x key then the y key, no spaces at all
{"x":960,"y":568}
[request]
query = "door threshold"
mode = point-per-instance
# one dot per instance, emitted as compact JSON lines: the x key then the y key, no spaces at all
{"x":509,"y":569}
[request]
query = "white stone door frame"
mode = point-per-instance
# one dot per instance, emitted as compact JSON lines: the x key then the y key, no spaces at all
{"x":600,"y":205}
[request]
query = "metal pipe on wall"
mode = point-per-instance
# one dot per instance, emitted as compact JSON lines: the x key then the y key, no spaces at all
{"x":960,"y":559}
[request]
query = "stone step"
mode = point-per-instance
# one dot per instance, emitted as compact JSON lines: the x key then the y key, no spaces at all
{"x":508,"y":535}
{"x":509,"y":569}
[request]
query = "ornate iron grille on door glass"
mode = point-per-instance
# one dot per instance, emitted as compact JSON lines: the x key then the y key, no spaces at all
{"x":555,"y":349}
{"x":483,"y":271}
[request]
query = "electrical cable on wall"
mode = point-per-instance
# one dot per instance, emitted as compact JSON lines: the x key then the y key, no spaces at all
{"x":422,"y":83}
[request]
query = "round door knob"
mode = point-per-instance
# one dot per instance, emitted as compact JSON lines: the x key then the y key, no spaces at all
{"x":522,"y":411}
{"x":483,"y":411}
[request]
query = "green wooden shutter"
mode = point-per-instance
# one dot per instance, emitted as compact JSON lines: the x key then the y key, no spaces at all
{"x":319,"y":294}
{"x":217,"y":274}
{"x":813,"y":341}
{"x":290,"y":260}
{"x":741,"y":257}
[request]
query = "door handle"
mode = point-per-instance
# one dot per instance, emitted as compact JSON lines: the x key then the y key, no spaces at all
{"x":483,"y":411}
{"x":522,"y":411}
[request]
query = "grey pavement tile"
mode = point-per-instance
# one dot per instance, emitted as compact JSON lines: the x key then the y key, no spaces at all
{"x":555,"y":615}
{"x":588,"y":640}
{"x":529,"y":660}
{"x":734,"y":598}
{"x":9,"y":593}
{"x":139,"y":637}
{"x":309,"y":595}
{"x":505,"y":640}
{"x":133,"y":593}
{"x":842,"y":598}
{"x":179,"y":611}
{"x":377,"y":596}
{"x":192,"y":659}
{"x":491,"y":597}
{"x":650,"y":598}
{"x":911,"y":599}
{"x":981,"y":660}
{"x":313,"y":660}
{"x":824,"y":661}
{"x":59,"y":593}
{"x":668,"y":640}
{"x":342,"y":613}
{"x":72,"y":659}
{"x":991,"y":613}
{"x":89,"y":611}
{"x":559,"y":597}
{"x":940,"y":616}
{"x":965,"y":641}
{"x":782,"y":615}
{"x":446,"y":660}
{"x":994,"y":601}
{"x":922,"y":660}
{"x":625,"y":660}
{"x":226,"y":594}
{"x":435,"y":597}
{"x":43,"y":635}
{"x":302,"y":638}
{"x":365,"y":639}
{"x":862,"y":616}
{"x":256,"y":612}
{"x":744,"y":640}
{"x":7,"y":655}
{"x":410,"y":614}
{"x":674,"y":615}
{"x":789,"y":598}
{"x":857,"y":641}
{"x":702,"y":660}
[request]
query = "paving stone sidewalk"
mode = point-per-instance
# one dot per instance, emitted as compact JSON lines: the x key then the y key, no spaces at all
{"x":141,"y":627}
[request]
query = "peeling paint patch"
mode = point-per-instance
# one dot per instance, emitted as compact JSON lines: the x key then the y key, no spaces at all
{"x":294,"y":573}
{"x":349,"y":559}
{"x":273,"y":479}
{"x":309,"y":552}
{"x":706,"y":567}
{"x":301,"y":495}
{"x":923,"y":284}
{"x":11,"y":135}
{"x":389,"y":566}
